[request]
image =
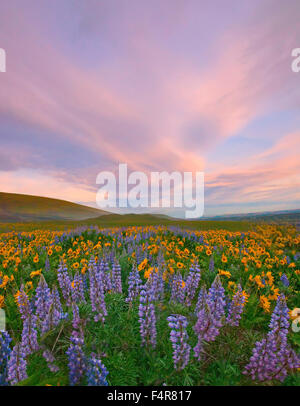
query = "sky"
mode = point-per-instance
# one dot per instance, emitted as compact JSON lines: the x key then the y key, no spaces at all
{"x":173,"y":85}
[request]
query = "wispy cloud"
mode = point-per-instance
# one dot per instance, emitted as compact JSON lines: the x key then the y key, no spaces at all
{"x":160,"y":86}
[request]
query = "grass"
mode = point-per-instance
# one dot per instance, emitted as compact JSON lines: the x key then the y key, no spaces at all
{"x":17,"y":208}
{"x":109,"y":221}
{"x":118,"y":341}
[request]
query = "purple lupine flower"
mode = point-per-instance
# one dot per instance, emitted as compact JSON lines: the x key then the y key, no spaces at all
{"x":108,"y":286}
{"x":23,"y":303}
{"x":272,"y":357}
{"x":77,"y":359}
{"x":55,"y":314}
{"x":216,"y":299}
{"x":201,"y":299}
{"x":96,"y":372}
{"x":42,"y":299}
{"x":116,"y":277}
{"x":155,"y":283}
{"x":47,"y":264}
{"x":97,"y":293}
{"x":236,"y":307}
{"x":29,"y":335}
{"x":29,"y":332}
{"x":134,"y":285}
{"x":5,"y":352}
{"x":76,"y":318}
{"x":64,"y":282}
{"x":17,"y":365}
{"x":284,"y":280}
{"x":177,"y":289}
{"x":77,"y":289}
{"x":210,"y":316}
{"x":211,"y":266}
{"x":192,"y":284}
{"x":179,"y":339}
{"x":49,"y":357}
{"x":147,"y":317}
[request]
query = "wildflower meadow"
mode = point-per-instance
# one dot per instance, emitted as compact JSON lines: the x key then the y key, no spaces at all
{"x":150,"y":305}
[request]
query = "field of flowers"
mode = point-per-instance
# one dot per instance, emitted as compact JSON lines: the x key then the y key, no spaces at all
{"x":150,"y":306}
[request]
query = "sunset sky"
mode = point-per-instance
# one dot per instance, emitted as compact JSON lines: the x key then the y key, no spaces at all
{"x":185,"y":85}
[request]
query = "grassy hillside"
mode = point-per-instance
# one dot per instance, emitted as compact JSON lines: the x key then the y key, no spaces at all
{"x":116,"y":220}
{"x":19,"y":208}
{"x":276,"y":217}
{"x":24,"y":212}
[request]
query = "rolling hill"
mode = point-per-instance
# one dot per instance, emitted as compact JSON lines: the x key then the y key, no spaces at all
{"x":276,"y":217}
{"x":26,"y":208}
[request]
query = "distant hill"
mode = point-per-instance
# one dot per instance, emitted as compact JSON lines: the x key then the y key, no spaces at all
{"x":26,"y":208}
{"x":278,"y":217}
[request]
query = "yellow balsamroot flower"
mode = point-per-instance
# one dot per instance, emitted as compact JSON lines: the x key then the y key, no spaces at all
{"x":1,"y":301}
{"x":224,"y":259}
{"x":143,"y":264}
{"x":50,"y":252}
{"x":246,"y":296}
{"x":270,"y":278}
{"x":36,"y":259}
{"x":147,"y":273}
{"x":208,"y":252}
{"x":75,"y":265}
{"x":264,"y":303}
{"x":5,"y":281}
{"x":179,"y":265}
{"x":83,"y":270}
{"x":35,"y":273}
{"x":244,"y":260}
{"x":171,"y":269}
{"x":28,"y":286}
{"x":294,"y":313}
{"x":275,"y":294}
{"x":231,"y":285}
{"x":258,"y":281}
{"x":17,"y":260}
{"x":258,"y":264}
{"x":225,"y":273}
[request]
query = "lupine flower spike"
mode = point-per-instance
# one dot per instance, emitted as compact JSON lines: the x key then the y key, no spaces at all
{"x":147,"y":318}
{"x":17,"y":365}
{"x":5,"y":352}
{"x":77,"y":359}
{"x":179,"y":339}
{"x":272,"y":357}
{"x":96,"y":372}
{"x":236,"y":307}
